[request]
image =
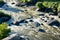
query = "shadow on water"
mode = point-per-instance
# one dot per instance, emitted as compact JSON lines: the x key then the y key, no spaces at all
{"x":10,"y":21}
{"x":9,"y":8}
{"x":22,"y":21}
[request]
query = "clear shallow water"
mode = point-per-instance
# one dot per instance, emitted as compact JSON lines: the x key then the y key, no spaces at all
{"x":12,"y":9}
{"x":10,"y":21}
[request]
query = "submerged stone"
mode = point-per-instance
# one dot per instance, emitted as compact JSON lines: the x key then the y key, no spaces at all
{"x":41,"y":30}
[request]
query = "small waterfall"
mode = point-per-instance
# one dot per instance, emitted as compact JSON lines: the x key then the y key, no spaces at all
{"x":7,"y":1}
{"x":10,"y":1}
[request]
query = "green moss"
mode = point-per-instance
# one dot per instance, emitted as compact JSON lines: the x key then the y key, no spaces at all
{"x":53,"y":6}
{"x":4,"y":32}
{"x":39,"y":5}
{"x":49,"y":4}
{"x":58,"y":7}
{"x":25,"y":1}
